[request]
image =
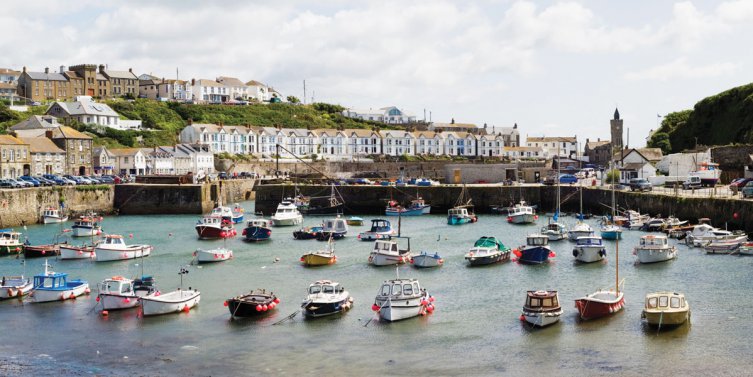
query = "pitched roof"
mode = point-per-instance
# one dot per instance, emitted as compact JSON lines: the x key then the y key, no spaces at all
{"x":97,"y":151}
{"x":121,"y":74}
{"x":426,"y":134}
{"x":634,"y":166}
{"x":41,"y":145}
{"x":87,"y":108}
{"x":651,"y":154}
{"x":36,"y":122}
{"x":52,"y":76}
{"x":205,"y":82}
{"x":230,"y":81}
{"x":120,"y":152}
{"x":8,"y":71}
{"x":454,"y":125}
{"x":598,"y":143}
{"x":8,"y":139}
{"x":545,"y":139}
{"x":65,"y":132}
{"x":360,"y":132}
{"x":254,"y":83}
{"x":522,"y":149}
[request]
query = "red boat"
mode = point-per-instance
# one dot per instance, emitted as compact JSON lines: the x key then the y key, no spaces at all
{"x":214,"y":226}
{"x":600,"y":304}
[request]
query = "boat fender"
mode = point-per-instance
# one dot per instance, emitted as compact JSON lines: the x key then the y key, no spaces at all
{"x":10,"y":292}
{"x":602,"y":252}
{"x":575,"y":252}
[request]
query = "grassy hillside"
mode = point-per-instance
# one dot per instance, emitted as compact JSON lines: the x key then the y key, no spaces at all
{"x":722,"y":119}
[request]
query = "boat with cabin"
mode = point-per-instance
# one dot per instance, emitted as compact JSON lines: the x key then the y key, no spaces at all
{"x":257,"y":230}
{"x":87,"y":226}
{"x":15,"y":287}
{"x":522,"y":214}
{"x":381,"y":229}
{"x":117,"y":292}
{"x":580,"y":229}
{"x":400,"y":299}
{"x":237,"y":214}
{"x":708,"y":172}
{"x":331,"y":205}
{"x":554,"y":231}
{"x":252,"y":304}
{"x":725,"y":246}
{"x":326,"y":297}
{"x":462,"y":212}
{"x":666,"y":309}
{"x":417,"y":207}
{"x":354,"y":221}
{"x":535,"y":251}
{"x":287,"y":214}
{"x":52,"y":215}
{"x":542,"y":308}
{"x":487,"y":250}
{"x":703,"y":234}
{"x":388,"y":252}
{"x":114,"y":248}
{"x":654,"y":248}
{"x":321,"y":257}
{"x":214,"y":226}
{"x":335,"y":229}
{"x":589,"y":249}
{"x":10,"y":242}
{"x":307,"y":233}
{"x":55,"y":286}
{"x":68,"y":251}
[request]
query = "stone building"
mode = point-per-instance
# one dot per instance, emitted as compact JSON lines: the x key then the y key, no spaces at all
{"x":14,"y":157}
{"x":46,"y":157}
{"x":78,"y":149}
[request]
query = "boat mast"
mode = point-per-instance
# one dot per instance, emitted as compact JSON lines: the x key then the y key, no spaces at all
{"x":557,"y":214}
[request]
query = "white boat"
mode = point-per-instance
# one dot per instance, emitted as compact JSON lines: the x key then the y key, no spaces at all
{"x":51,"y":215}
{"x":654,"y":248}
{"x":171,"y":302}
{"x":542,"y":308}
{"x":113,"y":248}
{"x":326,"y":297}
{"x":213,"y":255}
{"x":580,"y":229}
{"x":335,"y":228}
{"x":725,"y":246}
{"x":589,"y":249}
{"x":703,"y":234}
{"x":380,"y":229}
{"x":10,"y":242}
{"x":746,"y":249}
{"x":522,"y":214}
{"x":426,"y":260}
{"x":117,"y":293}
{"x":54,"y":286}
{"x":287,"y":215}
{"x":388,"y":252}
{"x":15,"y":286}
{"x":76,"y":252}
{"x":401,"y":299}
{"x":554,"y":231}
{"x":86,"y":226}
{"x":709,"y":173}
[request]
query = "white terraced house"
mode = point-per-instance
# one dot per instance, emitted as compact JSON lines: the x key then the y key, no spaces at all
{"x":429,"y":143}
{"x":209,"y":91}
{"x":362,"y":142}
{"x":332,"y":144}
{"x":268,"y":138}
{"x":461,"y":144}
{"x":301,"y":142}
{"x":398,"y":143}
{"x":490,"y":145}
{"x":236,"y":88}
{"x":566,"y":146}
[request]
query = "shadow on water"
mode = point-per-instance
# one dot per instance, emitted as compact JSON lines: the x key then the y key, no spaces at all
{"x":667,"y":332}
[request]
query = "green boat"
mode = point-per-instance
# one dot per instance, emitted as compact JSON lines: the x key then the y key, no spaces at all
{"x":487,"y":250}
{"x":10,"y":242}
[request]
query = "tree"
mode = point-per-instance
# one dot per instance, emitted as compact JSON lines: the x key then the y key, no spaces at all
{"x":613,"y":176}
{"x":293,"y":99}
{"x":661,"y":140}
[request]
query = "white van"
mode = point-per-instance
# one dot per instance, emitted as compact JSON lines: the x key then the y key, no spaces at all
{"x":692,"y":182}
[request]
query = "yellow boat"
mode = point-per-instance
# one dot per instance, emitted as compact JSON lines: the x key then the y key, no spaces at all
{"x":320,"y":257}
{"x":666,"y":309}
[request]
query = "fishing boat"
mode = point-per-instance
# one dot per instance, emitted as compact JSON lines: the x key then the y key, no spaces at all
{"x":68,"y":251}
{"x":535,"y":251}
{"x":212,"y":255}
{"x":417,"y":207}
{"x":746,"y":249}
{"x":287,"y":215}
{"x":252,"y":304}
{"x":388,"y":252}
{"x":15,"y":287}
{"x":214,"y":226}
{"x":580,"y":229}
{"x":113,"y":248}
{"x":611,"y":232}
{"x":40,"y":251}
{"x":323,"y":205}
{"x":709,"y":173}
{"x":554,"y":231}
{"x":725,"y":246}
{"x":522,"y":214}
{"x":54,"y":286}
{"x":118,"y":293}
{"x":257,"y":230}
{"x":462,"y":212}
{"x":321,"y":257}
{"x":631,"y":219}
{"x":487,"y":250}
{"x":51,"y":215}
{"x":177,"y":301}
{"x":666,"y":309}
{"x":354,"y":221}
{"x":10,"y":242}
{"x":307,"y":233}
{"x":426,"y":260}
{"x":654,"y":248}
{"x":335,"y":228}
{"x":589,"y":249}
{"x":325,"y":298}
{"x":87,"y":226}
{"x":400,"y":299}
{"x":654,"y":224}
{"x":380,"y":229}
{"x":542,"y":308}
{"x":237,"y":214}
{"x":674,"y":222}
{"x":703,"y":234}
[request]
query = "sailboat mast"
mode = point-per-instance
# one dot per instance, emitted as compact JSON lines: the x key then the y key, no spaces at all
{"x":617,"y":266}
{"x":558,"y":180}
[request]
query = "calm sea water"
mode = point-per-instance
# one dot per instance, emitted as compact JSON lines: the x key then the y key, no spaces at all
{"x":474,"y":331}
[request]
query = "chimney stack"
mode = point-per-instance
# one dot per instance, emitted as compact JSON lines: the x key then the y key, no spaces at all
{"x":48,"y":134}
{"x":101,"y":68}
{"x":24,"y":71}
{"x":193,"y":82}
{"x":46,"y":70}
{"x":130,"y":70}
{"x":190,"y":121}
{"x":62,"y":68}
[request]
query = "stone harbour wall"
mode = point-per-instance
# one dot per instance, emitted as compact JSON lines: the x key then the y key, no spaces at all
{"x":24,"y":206}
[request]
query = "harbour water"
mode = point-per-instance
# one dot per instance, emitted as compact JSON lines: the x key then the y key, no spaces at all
{"x":475,"y":329}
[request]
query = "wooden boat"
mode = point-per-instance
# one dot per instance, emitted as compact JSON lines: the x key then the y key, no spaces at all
{"x":746,"y":249}
{"x":522,"y":214}
{"x":542,"y":308}
{"x":324,"y":205}
{"x":654,"y":248}
{"x":257,"y":230}
{"x":380,"y":229}
{"x":426,"y":260}
{"x":212,"y":255}
{"x":68,"y":251}
{"x":40,"y":251}
{"x":307,"y":233}
{"x":487,"y":250}
{"x":118,"y":293}
{"x":51,"y":215}
{"x":114,"y":248}
{"x":325,"y":298}
{"x":589,"y":249}
{"x":320,"y":257}
{"x":388,"y":252}
{"x":417,"y":207}
{"x":171,"y":302}
{"x":54,"y":286}
{"x":535,"y":251}
{"x":354,"y":221}
{"x":335,"y":228}
{"x":214,"y":226}
{"x":287,"y":215}
{"x":15,"y":287}
{"x":10,"y":242}
{"x":87,"y":226}
{"x":666,"y":309}
{"x":400,"y":299}
{"x":252,"y":304}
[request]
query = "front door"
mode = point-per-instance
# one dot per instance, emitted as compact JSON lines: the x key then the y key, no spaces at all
{"x":82,"y":170}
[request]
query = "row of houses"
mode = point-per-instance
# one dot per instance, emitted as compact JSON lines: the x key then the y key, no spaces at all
{"x":341,"y":144}
{"x":220,"y":90}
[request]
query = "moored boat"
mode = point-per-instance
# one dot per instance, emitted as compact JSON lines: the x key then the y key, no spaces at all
{"x":212,"y":255}
{"x":68,"y":251}
{"x":287,"y":215}
{"x":171,"y":302}
{"x":354,"y":221}
{"x":15,"y":287}
{"x":307,"y":233}
{"x":487,"y":250}
{"x":55,"y":286}
{"x":40,"y":251}
{"x":426,"y":260}
{"x":417,"y":207}
{"x":10,"y":242}
{"x":322,"y":257}
{"x":462,"y":212}
{"x":522,"y":214}
{"x":325,"y":298}
{"x":725,"y":246}
{"x":214,"y":226}
{"x":114,"y":248}
{"x":580,"y":229}
{"x":51,"y":215}
{"x":600,"y":304}
{"x":746,"y":249}
{"x":335,"y":229}
{"x":542,"y":308}
{"x":654,"y":248}
{"x":322,"y":205}
{"x":400,"y":299}
{"x":257,"y":230}
{"x":117,"y":292}
{"x":535,"y":251}
{"x":380,"y":229}
{"x":388,"y":252}
{"x":252,"y":304}
{"x":237,"y":214}
{"x":589,"y":249}
{"x":611,"y":232}
{"x":666,"y":309}
{"x":87,"y":226}
{"x":554,"y":231}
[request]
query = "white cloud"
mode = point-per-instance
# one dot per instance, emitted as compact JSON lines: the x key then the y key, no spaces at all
{"x":681,"y":69}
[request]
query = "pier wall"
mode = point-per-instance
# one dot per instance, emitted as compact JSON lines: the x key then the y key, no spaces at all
{"x":148,"y":199}
{"x":24,"y":206}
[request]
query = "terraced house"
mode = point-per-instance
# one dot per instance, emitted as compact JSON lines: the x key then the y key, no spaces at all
{"x":14,"y":157}
{"x":46,"y":157}
{"x":78,"y":149}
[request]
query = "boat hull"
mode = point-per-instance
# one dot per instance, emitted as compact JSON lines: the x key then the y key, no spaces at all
{"x":555,"y":236}
{"x":574,"y":234}
{"x":75,"y":288}
{"x":379,"y":259}
{"x":215,"y":255}
{"x":54,"y":219}
{"x":211,"y":232}
{"x":40,"y":251}
{"x":15,"y":288}
{"x":291,"y":221}
{"x":525,"y":218}
{"x":399,"y":310}
{"x":659,"y":318}
{"x":426,"y":261}
{"x":611,"y":235}
{"x":322,"y":211}
{"x":487,"y":259}
{"x":154,"y":305}
{"x":109,"y":255}
{"x":372,"y":236}
{"x":458,"y":220}
{"x":655,"y":256}
{"x":257,"y":234}
{"x":318,"y":260}
{"x":591,"y":307}
{"x":117,"y":302}
{"x":316,"y":309}
{"x":85,"y":231}
{"x":544,"y":319}
{"x":76,"y":252}
{"x":589,"y":254}
{"x":408,"y":212}
{"x":11,"y":249}
{"x":534,"y":255}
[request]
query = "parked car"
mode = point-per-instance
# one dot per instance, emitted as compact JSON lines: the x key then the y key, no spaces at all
{"x":30,"y":179}
{"x":75,"y":179}
{"x":44,"y":181}
{"x":93,"y":178}
{"x":738,"y":184}
{"x":20,"y":183}
{"x":747,"y":190}
{"x":692,"y":182}
{"x":5,"y":184}
{"x":106,"y":179}
{"x":58,"y":180}
{"x":568,"y":178}
{"x":640,"y":184}
{"x":223,"y":175}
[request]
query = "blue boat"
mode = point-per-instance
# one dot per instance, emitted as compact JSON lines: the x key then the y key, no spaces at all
{"x":611,"y":232}
{"x":54,"y":286}
{"x":417,"y":208}
{"x":536,"y":250}
{"x":462,"y":212}
{"x":257,"y":230}
{"x":381,"y":229}
{"x":237,"y":214}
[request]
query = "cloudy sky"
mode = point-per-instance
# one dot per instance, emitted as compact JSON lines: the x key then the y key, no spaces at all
{"x":557,"y":68}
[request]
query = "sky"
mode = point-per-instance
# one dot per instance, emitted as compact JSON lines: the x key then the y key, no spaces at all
{"x":556,"y":68}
